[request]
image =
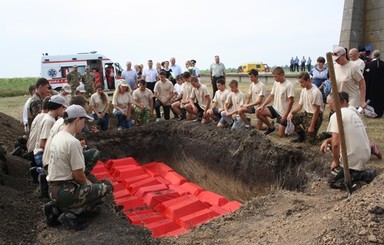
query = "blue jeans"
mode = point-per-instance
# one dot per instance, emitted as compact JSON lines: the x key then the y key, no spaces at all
{"x":122,"y":121}
{"x":102,"y":122}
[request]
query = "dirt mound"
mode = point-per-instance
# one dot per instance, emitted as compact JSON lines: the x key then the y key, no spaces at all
{"x":10,"y":129}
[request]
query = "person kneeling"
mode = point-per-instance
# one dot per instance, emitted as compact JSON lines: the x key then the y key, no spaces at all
{"x":358,"y":148}
{"x":69,"y":188}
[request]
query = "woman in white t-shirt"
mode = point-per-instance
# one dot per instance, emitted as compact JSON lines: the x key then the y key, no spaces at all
{"x":122,"y":102}
{"x":100,"y":106}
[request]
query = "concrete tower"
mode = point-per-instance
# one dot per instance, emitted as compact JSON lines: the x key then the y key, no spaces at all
{"x":363,"y":24}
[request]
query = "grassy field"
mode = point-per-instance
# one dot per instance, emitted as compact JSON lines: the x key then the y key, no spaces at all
{"x":15,"y":86}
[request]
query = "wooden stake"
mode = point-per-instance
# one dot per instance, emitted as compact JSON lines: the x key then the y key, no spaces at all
{"x":347,"y":176}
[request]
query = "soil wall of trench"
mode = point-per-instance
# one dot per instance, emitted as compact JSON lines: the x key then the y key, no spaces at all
{"x":237,"y":164}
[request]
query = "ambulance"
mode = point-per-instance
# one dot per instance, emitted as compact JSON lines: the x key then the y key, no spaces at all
{"x":56,"y":67}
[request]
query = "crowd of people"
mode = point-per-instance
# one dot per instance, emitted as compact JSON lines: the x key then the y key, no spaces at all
{"x":61,"y":161}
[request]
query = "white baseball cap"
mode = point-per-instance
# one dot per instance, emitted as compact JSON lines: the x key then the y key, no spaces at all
{"x":337,"y":52}
{"x":75,"y":111}
{"x":67,"y":88}
{"x":80,"y":88}
{"x":58,"y":99}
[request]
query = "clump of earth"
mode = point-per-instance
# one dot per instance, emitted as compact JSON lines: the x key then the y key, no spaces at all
{"x":282,"y":187}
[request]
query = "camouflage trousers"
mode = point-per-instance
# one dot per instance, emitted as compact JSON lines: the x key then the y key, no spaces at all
{"x":89,"y":90}
{"x":302,"y":120}
{"x":143,"y":116}
{"x":71,"y":195}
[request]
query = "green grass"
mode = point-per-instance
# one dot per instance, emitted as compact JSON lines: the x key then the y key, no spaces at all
{"x":10,"y":87}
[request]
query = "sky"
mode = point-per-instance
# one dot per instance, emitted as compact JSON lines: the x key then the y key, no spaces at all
{"x":269,"y":31}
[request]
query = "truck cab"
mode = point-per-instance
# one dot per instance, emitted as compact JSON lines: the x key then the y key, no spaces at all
{"x":56,"y":67}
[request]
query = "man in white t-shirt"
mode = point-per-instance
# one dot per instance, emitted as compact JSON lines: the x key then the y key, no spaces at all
{"x":218,"y":100}
{"x":354,"y":56}
{"x":307,"y":122}
{"x":163,"y":93}
{"x":56,"y":106}
{"x":256,"y":94}
{"x":183,"y":98}
{"x":349,"y":78}
{"x":199,"y":101}
{"x":357,"y":144}
{"x":283,"y":96}
{"x":234,"y":100}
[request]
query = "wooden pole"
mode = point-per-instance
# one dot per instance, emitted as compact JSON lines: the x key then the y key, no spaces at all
{"x":347,"y":176}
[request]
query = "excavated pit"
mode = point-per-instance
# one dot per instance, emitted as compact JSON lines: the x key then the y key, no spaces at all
{"x":236,"y":164}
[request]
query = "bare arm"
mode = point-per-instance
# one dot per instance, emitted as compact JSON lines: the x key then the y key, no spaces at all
{"x":362,"y":93}
{"x":80,"y":177}
{"x":316,"y":112}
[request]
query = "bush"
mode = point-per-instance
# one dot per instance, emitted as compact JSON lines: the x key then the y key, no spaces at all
{"x":15,"y":86}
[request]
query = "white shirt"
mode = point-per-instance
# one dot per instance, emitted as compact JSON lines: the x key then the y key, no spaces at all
{"x":311,"y":97}
{"x":282,"y":92}
{"x":356,"y":139}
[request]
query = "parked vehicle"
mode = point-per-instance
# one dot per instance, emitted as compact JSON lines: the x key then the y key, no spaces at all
{"x":56,"y":67}
{"x":260,"y":67}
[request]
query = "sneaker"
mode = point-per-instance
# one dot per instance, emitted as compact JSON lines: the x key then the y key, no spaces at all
{"x":119,"y":128}
{"x":269,"y":130}
{"x":336,"y":170}
{"x":248,"y":127}
{"x":157,"y":119}
{"x":180,"y":118}
{"x":16,"y":151}
{"x":299,"y":138}
{"x":376,"y":151}
{"x":34,"y":174}
{"x":70,"y":220}
{"x":197,"y":120}
{"x":52,"y":213}
{"x":370,"y":175}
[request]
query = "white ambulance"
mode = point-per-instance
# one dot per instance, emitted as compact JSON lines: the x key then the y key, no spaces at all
{"x":56,"y":67}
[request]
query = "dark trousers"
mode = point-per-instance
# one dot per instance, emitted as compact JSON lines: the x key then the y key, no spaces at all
{"x":151,"y":86}
{"x":214,"y":85}
{"x":166,"y":108}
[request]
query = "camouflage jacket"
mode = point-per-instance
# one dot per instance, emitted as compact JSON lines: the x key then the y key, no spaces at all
{"x":73,"y":78}
{"x":35,"y":107}
{"x":88,"y":78}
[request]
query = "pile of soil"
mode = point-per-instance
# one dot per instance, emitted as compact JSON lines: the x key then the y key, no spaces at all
{"x":282,"y":186}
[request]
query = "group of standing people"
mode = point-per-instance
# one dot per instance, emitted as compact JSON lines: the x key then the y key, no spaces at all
{"x":297,"y":65}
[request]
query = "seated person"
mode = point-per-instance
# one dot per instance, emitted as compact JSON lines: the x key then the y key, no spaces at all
{"x":218,"y":100}
{"x":199,"y":102}
{"x":100,"y":105}
{"x":143,"y":103}
{"x":182,"y":100}
{"x":234,"y":100}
